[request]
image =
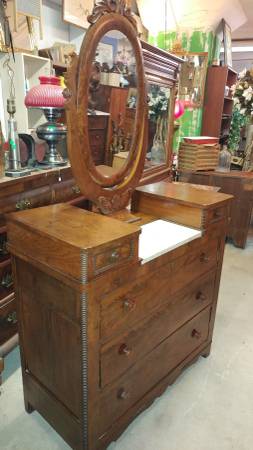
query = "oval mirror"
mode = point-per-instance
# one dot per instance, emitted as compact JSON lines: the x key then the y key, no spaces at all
{"x":113,"y":97}
{"x":107,"y":108}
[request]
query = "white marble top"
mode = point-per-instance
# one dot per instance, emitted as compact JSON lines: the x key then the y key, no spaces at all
{"x":161,"y":236}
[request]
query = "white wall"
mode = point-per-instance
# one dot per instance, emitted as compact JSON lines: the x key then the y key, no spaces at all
{"x":55,"y":29}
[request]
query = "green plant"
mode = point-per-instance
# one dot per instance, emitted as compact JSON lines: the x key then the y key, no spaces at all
{"x":238,"y":122}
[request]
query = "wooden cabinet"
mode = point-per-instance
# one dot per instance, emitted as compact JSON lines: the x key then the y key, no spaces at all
{"x":94,"y":316}
{"x":38,"y":189}
{"x":238,"y":184}
{"x":218,"y":106}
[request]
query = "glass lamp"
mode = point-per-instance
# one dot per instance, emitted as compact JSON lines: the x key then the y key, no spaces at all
{"x":48,"y":97}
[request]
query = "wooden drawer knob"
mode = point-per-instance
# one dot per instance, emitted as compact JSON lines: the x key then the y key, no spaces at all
{"x":11,"y":319}
{"x":217,"y":214}
{"x":204,"y":257}
{"x":76,"y":189}
{"x":196,"y":334}
{"x":7,"y":281}
{"x":122,"y":394}
{"x":124,"y":350}
{"x":200,"y":296}
{"x":128,"y":305}
{"x":114,"y":256}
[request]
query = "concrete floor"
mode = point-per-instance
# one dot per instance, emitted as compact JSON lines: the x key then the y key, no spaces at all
{"x":210,"y":407}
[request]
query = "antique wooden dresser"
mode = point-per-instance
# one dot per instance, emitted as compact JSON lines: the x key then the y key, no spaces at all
{"x":113,"y":304}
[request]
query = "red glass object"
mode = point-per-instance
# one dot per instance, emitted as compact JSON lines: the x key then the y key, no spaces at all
{"x":179,"y":109}
{"x":47,"y":94}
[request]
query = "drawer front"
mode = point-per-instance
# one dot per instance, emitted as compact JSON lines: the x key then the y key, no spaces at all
{"x":147,"y":373}
{"x":65,"y":190}
{"x":113,"y":256}
{"x":97,"y":138}
{"x":97,"y":122}
{"x":193,"y":265}
{"x":120,"y":312}
{"x":6,"y":279}
{"x":3,"y":250}
{"x":98,"y":155}
{"x":25,"y":200}
{"x":8,"y":319}
{"x":125,"y":351}
{"x":216,"y":214}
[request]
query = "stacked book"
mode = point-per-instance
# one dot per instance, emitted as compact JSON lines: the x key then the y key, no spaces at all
{"x":198,"y":155}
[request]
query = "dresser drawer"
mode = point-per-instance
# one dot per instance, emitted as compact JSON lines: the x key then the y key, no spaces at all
{"x":97,"y":138}
{"x":25,"y":200}
{"x":3,"y":250}
{"x":6,"y":279}
{"x":97,"y":122}
{"x":8,"y":318}
{"x":113,"y":256}
{"x":65,"y":190}
{"x":120,"y":312}
{"x":115,"y":401}
{"x":119,"y":355}
{"x":194,"y":264}
{"x":216,"y":214}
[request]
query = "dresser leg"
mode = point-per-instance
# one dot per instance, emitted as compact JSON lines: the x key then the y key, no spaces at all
{"x":206,"y":352}
{"x":28,"y":407}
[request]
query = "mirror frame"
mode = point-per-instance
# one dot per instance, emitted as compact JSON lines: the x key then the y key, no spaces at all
{"x":110,"y":192}
{"x":161,"y":68}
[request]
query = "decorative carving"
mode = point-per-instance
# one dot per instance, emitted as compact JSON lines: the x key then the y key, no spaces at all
{"x":102,"y":7}
{"x":108,"y":205}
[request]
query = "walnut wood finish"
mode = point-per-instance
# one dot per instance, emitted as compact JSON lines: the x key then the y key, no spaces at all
{"x":37,"y":189}
{"x":238,"y":184}
{"x":91,"y":181}
{"x":126,"y":329}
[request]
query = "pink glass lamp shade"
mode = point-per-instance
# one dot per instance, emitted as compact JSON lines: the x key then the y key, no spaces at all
{"x":179,"y":109}
{"x":48,"y":94}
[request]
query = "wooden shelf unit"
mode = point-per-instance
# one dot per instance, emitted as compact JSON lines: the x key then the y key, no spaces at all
{"x":217,"y":113}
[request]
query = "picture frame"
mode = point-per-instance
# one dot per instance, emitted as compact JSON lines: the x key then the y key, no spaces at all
{"x":227,"y":42}
{"x":76,"y":12}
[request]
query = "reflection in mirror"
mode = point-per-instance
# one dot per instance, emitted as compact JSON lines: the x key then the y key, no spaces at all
{"x":112,"y":102}
{"x":192,"y":78}
{"x":158,"y":105}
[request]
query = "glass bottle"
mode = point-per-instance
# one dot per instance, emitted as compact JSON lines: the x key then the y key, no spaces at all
{"x":224,"y":160}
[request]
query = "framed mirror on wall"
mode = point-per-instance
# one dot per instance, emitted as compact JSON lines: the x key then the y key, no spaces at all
{"x":192,"y":78}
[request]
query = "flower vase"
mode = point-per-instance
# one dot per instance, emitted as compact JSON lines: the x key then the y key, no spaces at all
{"x":158,"y":147}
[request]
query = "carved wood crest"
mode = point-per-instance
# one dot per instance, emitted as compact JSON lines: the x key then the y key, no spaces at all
{"x":102,"y":7}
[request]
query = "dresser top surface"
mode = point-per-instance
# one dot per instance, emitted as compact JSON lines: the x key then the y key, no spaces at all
{"x":75,"y":226}
{"x":185,"y":194}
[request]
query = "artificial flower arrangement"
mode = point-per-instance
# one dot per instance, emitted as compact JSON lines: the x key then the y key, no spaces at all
{"x":158,"y":98}
{"x":242,"y":93}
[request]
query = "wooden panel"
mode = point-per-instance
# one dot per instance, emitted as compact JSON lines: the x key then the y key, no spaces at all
{"x":51,"y":335}
{"x":123,"y":352}
{"x":6,"y":280}
{"x":166,"y":209}
{"x":116,"y":400}
{"x":8,"y":318}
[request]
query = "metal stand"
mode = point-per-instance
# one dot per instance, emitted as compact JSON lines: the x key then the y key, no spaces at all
{"x":52,"y":132}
